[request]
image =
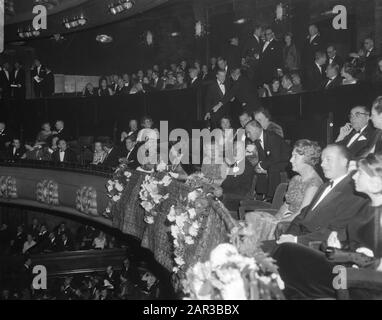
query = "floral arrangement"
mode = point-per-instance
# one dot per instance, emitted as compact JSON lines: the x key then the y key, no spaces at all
{"x":200,"y":181}
{"x":47,"y":192}
{"x":116,"y":185}
{"x":186,"y":218}
{"x":8,"y":187}
{"x":86,"y":200}
{"x":154,"y":192}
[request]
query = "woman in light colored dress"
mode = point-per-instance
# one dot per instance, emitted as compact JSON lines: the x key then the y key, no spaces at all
{"x":301,"y":190}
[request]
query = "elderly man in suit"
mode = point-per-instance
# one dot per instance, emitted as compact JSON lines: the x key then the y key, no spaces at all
{"x":274,"y":154}
{"x":359,"y":134}
{"x":313,"y":44}
{"x":264,"y":117}
{"x":334,"y":77}
{"x":315,"y":72}
{"x":63,"y":154}
{"x":332,"y":208}
{"x":18,"y":82}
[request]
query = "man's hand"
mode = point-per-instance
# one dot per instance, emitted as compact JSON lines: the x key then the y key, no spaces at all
{"x":344,"y":132}
{"x":287,"y":238}
{"x":207,"y":117}
{"x":260,"y":170}
{"x":217,"y":107}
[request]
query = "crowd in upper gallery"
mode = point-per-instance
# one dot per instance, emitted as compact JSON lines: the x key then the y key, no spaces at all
{"x":273,"y":67}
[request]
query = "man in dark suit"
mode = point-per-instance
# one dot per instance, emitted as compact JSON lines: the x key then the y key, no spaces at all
{"x":132,"y":153}
{"x":63,"y":154}
{"x":312,"y":45}
{"x":16,"y":150}
{"x":61,"y":132}
{"x":334,"y":77}
{"x":113,"y":154}
{"x":157,"y":83}
{"x":359,"y":134}
{"x":369,"y":59}
{"x":18,"y":82}
{"x":48,"y":83}
{"x":195,"y":81}
{"x":65,"y":243}
{"x":332,"y":208}
{"x":274,"y":154}
{"x":38,"y":74}
{"x":216,"y":92}
{"x":233,"y":53}
{"x":244,"y":91}
{"x":271,"y":57}
{"x":315,"y":73}
{"x":333,"y":57}
{"x":251,"y":54}
{"x":5,"y":81}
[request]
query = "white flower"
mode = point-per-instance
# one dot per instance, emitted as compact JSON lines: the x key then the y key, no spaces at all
{"x":127,"y":174}
{"x":108,"y":210}
{"x":192,"y":196}
{"x":116,"y":198}
{"x":250,"y":148}
{"x":175,"y":269}
{"x":166,"y":196}
{"x":166,"y":181}
{"x":110,"y":182}
{"x":193,"y":230}
{"x":109,"y":187}
{"x":192,"y":213}
{"x":189,"y":240}
{"x":279,"y":281}
{"x":179,"y":261}
{"x":119,"y":187}
{"x":220,"y":255}
{"x":180,"y":220}
{"x":172,"y":215}
{"x":149,"y":220}
{"x":174,"y":231}
{"x":161,"y":166}
{"x":148,"y":206}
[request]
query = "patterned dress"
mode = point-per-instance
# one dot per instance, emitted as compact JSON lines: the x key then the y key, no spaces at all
{"x":264,"y":224}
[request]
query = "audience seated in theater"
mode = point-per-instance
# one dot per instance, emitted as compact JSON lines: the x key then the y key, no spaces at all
{"x":242,"y":90}
{"x":104,"y":90}
{"x":334,"y":77}
{"x":348,"y":73}
{"x":63,"y":154}
{"x":359,"y":134}
{"x":112,"y":155}
{"x":264,"y":117}
{"x":89,"y":91}
{"x":315,"y":75}
{"x":332,"y":208}
{"x":99,"y":153}
{"x":301,"y":190}
{"x":362,"y":235}
{"x":274,"y":154}
{"x":121,"y":89}
{"x":274,"y":90}
{"x":16,"y":150}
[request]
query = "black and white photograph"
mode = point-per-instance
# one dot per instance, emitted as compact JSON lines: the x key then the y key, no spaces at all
{"x":179,"y":152}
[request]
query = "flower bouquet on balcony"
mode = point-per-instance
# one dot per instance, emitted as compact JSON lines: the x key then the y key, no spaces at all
{"x":47,"y":192}
{"x":8,"y":189}
{"x":116,"y":185}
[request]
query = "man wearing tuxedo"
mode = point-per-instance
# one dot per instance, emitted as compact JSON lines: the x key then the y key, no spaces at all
{"x":38,"y":74}
{"x":216,"y":92}
{"x":63,"y":154}
{"x":132,"y":152}
{"x":274,"y":154}
{"x":334,"y":77}
{"x":60,"y":132}
{"x":195,"y":80}
{"x":243,"y":90}
{"x":48,"y":83}
{"x":312,"y":45}
{"x":251,"y":54}
{"x":18,"y":82}
{"x":157,"y":84}
{"x":65,"y":243}
{"x":359,"y":134}
{"x":112,"y":155}
{"x":271,"y":57}
{"x":315,"y":73}
{"x":333,"y":57}
{"x":332,"y":208}
{"x":5,"y":81}
{"x":16,"y":151}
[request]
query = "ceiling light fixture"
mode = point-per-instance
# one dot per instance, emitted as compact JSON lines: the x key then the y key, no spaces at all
{"x":103,"y":38}
{"x":28,"y":32}
{"x":74,"y":22}
{"x":120,"y":6}
{"x":240,"y":21}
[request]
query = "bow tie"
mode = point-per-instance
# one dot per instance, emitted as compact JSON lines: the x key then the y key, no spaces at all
{"x":331,"y":184}
{"x":221,"y":83}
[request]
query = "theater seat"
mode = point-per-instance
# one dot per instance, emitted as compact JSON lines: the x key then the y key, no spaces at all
{"x":252,"y":205}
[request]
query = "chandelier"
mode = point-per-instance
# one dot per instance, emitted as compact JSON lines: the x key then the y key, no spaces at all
{"x":74,"y":22}
{"x":120,"y":6}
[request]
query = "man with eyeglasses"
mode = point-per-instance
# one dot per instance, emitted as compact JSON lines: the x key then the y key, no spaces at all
{"x":270,"y":57}
{"x":359,"y":134}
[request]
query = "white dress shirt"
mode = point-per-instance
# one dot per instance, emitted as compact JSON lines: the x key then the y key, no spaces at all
{"x":312,"y":38}
{"x":6,"y":73}
{"x":62,"y":156}
{"x":356,"y":136}
{"x":262,"y":139}
{"x":266,"y":44}
{"x":328,"y":189}
{"x":222,"y":87}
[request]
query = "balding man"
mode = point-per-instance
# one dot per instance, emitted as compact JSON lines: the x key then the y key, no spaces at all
{"x":357,"y":135}
{"x":313,"y":44}
{"x":332,"y":208}
{"x":334,"y":77}
{"x":274,"y":154}
{"x":315,"y":72}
